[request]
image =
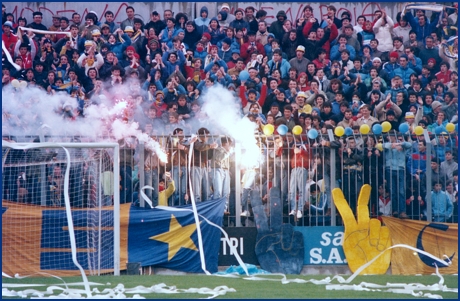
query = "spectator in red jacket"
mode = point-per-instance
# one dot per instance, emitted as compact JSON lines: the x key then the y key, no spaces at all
{"x":250,"y":46}
{"x":8,"y":37}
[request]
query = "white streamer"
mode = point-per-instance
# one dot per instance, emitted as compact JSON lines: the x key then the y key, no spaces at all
{"x":8,"y":57}
{"x":195,"y":213}
{"x":67,"y":33}
{"x":145,"y":197}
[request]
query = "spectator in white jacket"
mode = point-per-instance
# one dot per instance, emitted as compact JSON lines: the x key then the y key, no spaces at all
{"x":383,"y":30}
{"x":403,"y":28}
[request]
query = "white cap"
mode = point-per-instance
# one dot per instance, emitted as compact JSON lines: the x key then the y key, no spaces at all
{"x":377,"y":59}
{"x":129,"y":28}
{"x":225,"y":5}
{"x":300,"y":48}
{"x":302,"y":94}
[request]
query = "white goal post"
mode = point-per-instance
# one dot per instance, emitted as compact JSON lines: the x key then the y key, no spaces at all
{"x":69,"y":192}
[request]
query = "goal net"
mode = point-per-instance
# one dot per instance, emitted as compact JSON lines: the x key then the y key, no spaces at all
{"x":60,"y":208}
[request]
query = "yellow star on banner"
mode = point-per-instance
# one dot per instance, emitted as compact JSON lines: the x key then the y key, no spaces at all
{"x":177,"y":237}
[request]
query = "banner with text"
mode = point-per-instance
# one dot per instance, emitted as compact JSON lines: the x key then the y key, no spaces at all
{"x":323,"y":245}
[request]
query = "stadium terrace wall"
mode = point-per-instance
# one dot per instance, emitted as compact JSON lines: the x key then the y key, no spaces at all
{"x":143,"y":9}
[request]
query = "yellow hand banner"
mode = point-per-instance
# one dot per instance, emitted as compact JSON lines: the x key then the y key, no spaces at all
{"x":364,"y":238}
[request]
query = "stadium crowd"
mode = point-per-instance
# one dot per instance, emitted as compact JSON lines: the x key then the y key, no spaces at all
{"x":316,"y":73}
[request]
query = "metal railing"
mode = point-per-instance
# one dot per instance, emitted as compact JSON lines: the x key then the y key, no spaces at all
{"x":297,"y":165}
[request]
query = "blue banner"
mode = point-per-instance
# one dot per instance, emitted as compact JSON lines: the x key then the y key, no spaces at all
{"x":168,"y":239}
{"x":323,"y":245}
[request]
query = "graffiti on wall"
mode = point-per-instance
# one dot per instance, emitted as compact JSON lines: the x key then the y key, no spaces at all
{"x":295,"y":10}
{"x":143,"y":9}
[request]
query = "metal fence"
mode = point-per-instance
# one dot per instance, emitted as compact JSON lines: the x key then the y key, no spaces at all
{"x":402,"y":176}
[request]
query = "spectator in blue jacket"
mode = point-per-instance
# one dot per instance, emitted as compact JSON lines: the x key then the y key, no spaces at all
{"x":403,"y":71}
{"x":422,"y":28}
{"x":202,"y":22}
{"x":172,"y":63}
{"x":169,"y":32}
{"x":342,"y":45}
{"x":395,"y":165}
{"x":277,"y":62}
{"x":442,"y":206}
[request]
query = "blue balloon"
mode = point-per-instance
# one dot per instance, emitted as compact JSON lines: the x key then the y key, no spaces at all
{"x":244,"y":75}
{"x":403,"y":128}
{"x":438,"y":130}
{"x":282,"y":129}
{"x":312,"y":134}
{"x":377,"y":129}
{"x":348,"y":131}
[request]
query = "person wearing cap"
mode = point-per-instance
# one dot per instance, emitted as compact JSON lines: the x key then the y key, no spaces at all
{"x":299,"y":62}
{"x":366,"y":117}
{"x":403,"y":71}
{"x":291,"y":40}
{"x":250,"y":47}
{"x":105,"y":32}
{"x":300,"y":99}
{"x":239,"y":23}
{"x":226,"y":8}
{"x":8,"y":37}
{"x":252,"y":96}
{"x":341,"y":46}
{"x":156,"y":23}
{"x":55,"y":27}
{"x":93,"y":58}
{"x":392,"y":64}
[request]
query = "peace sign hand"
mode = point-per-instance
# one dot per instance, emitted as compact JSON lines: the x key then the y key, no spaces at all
{"x":364,"y":238}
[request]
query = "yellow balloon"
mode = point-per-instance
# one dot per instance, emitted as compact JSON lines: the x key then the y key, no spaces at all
{"x":339,"y":131}
{"x":386,"y":126}
{"x":450,"y":127}
{"x":269,"y":129}
{"x":419,"y":130}
{"x":364,"y":129}
{"x":379,"y":146}
{"x":297,"y":130}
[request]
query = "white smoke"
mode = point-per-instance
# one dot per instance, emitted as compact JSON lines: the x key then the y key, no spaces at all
{"x":34,"y":112}
{"x":224,"y":111}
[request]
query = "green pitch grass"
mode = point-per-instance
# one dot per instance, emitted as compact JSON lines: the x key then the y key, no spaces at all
{"x":246,"y":289}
